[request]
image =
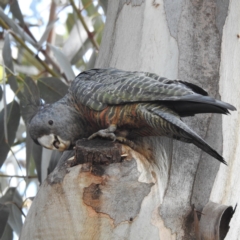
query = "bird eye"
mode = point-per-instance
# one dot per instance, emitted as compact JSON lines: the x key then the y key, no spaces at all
{"x":50,"y":122}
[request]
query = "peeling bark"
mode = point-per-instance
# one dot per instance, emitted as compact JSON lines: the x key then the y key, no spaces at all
{"x":150,"y":194}
{"x":118,"y":194}
{"x":76,"y":203}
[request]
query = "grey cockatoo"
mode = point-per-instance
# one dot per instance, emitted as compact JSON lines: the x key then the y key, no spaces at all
{"x":123,"y":105}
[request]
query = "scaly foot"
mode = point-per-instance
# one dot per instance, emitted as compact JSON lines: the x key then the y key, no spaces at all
{"x":105,"y":133}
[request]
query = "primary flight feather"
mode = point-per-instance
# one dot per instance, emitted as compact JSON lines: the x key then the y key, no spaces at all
{"x":123,"y":105}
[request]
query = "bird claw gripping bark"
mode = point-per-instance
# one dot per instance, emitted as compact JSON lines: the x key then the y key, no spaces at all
{"x":105,"y":133}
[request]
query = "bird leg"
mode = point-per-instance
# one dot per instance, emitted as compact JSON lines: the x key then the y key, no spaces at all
{"x":109,"y":133}
{"x":105,"y":133}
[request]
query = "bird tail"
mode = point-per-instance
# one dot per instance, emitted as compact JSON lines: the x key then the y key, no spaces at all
{"x":191,"y":105}
{"x":174,"y":127}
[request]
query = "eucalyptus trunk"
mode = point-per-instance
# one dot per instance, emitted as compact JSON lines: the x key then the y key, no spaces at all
{"x":160,"y":190}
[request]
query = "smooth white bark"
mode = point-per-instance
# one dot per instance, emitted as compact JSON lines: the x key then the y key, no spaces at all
{"x":226,"y":189}
{"x":192,"y":40}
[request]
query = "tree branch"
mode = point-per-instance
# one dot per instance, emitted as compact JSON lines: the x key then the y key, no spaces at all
{"x":17,"y":176}
{"x":22,"y":43}
{"x":90,"y":34}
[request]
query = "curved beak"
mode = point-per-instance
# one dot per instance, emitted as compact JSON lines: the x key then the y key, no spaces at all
{"x":53,"y":142}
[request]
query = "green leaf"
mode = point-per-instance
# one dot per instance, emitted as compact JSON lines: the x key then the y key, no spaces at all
{"x":30,"y":101}
{"x":70,"y":22}
{"x":92,"y":60}
{"x":13,"y":117}
{"x":79,"y":54}
{"x":75,"y":41}
{"x":98,"y":37}
{"x":4,"y":213}
{"x":63,"y":62}
{"x":8,"y":233}
{"x":52,"y":89}
{"x":3,"y":3}
{"x":89,"y":7}
{"x":15,"y":9}
{"x":37,"y":156}
{"x":30,"y":89}
{"x":13,"y":201}
{"x":46,"y":32}
{"x":16,"y":28}
{"x":34,"y":154}
{"x":1,"y":93}
{"x":29,"y":106}
{"x":104,"y":4}
{"x":97,"y":23}
{"x":7,"y":58}
{"x":56,"y":155}
{"x":34,"y":151}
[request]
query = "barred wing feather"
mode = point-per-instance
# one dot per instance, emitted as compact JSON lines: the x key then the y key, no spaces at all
{"x":98,"y":88}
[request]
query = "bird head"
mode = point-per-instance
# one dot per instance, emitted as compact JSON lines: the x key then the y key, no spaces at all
{"x":56,"y":126}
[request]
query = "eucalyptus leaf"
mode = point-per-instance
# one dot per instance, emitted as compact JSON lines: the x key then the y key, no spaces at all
{"x":98,"y":37}
{"x":52,"y":89}
{"x":80,"y":53}
{"x":4,"y":213}
{"x":3,"y":3}
{"x":104,"y":4}
{"x":46,"y":156}
{"x":7,"y":58}
{"x":31,"y":89}
{"x":92,"y":60}
{"x":13,"y":117}
{"x":31,"y":100}
{"x":1,"y":93}
{"x":37,"y":156}
{"x":8,"y":233}
{"x":98,"y":23}
{"x":29,"y":107}
{"x":34,"y":153}
{"x":7,"y":53}
{"x":89,"y":7}
{"x":13,"y":201}
{"x":15,"y":9}
{"x":56,"y":155}
{"x":63,"y":62}
{"x":71,"y":19}
{"x":76,"y":39}
{"x":4,"y":182}
{"x":46,"y":32}
{"x":16,"y":28}
{"x":29,"y":148}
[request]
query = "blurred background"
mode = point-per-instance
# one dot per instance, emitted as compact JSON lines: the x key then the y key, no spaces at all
{"x":44,"y":44}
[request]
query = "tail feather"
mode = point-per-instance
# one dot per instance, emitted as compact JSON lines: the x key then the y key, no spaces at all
{"x":191,"y":105}
{"x":208,"y":100}
{"x":185,"y":109}
{"x":179,"y":130}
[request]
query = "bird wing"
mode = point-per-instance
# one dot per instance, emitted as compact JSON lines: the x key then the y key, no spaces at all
{"x":98,"y":88}
{"x":178,"y":129}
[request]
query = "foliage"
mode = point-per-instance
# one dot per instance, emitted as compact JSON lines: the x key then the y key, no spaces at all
{"x":43,"y":48}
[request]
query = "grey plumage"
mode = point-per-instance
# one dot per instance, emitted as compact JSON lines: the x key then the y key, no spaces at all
{"x":124,"y":104}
